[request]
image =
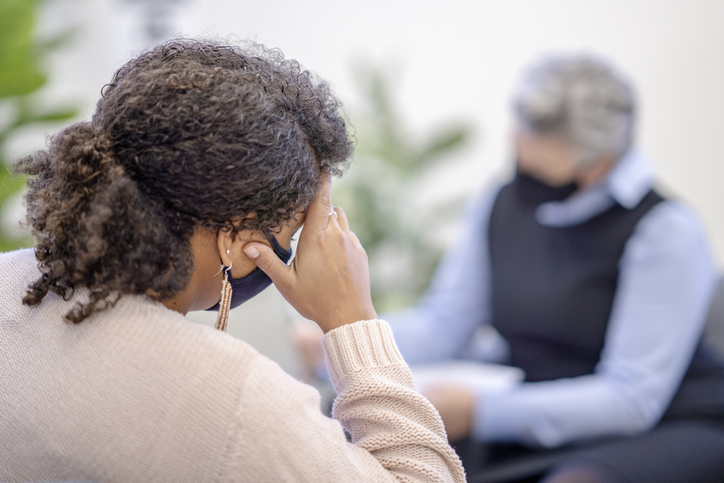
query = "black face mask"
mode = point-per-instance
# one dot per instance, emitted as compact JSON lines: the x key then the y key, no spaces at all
{"x":253,"y":284}
{"x":532,"y":190}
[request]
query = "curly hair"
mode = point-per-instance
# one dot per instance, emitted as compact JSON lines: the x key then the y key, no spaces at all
{"x":190,"y":134}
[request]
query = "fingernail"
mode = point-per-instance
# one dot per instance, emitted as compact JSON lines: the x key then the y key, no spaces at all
{"x":251,"y":252}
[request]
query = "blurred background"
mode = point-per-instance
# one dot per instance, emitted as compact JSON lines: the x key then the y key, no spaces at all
{"x":425,"y":84}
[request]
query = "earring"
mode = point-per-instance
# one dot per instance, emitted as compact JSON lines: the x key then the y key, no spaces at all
{"x":225,"y":303}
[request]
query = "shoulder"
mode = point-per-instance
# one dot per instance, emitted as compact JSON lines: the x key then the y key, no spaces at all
{"x":669,"y":228}
{"x":174,"y":334}
{"x":144,"y":327}
{"x":671,"y":218}
{"x":18,"y":269}
{"x":480,"y":206}
{"x":18,"y":264}
{"x":23,"y":253}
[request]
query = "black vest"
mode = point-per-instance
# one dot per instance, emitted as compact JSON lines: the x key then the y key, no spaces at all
{"x":553,"y":287}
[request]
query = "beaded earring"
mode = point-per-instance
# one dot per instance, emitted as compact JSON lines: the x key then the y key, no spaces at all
{"x":225,"y":303}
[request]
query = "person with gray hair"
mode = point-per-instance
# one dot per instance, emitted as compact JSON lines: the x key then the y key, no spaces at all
{"x":598,"y":287}
{"x":583,"y":100}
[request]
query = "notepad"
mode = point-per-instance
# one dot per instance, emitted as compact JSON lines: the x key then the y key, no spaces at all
{"x":473,"y":375}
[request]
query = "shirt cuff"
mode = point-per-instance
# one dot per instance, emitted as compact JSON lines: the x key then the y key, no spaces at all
{"x":362,"y":345}
{"x":494,"y":419}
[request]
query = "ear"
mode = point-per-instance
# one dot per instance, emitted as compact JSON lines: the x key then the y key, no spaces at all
{"x":224,"y":240}
{"x":230,"y":243}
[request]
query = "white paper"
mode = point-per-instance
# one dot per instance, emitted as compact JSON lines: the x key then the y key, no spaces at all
{"x":477,"y":376}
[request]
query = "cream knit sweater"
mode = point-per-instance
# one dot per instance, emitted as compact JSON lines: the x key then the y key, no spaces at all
{"x":138,"y":393}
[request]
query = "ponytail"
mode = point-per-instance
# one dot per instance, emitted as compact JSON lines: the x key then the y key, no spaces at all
{"x":94,"y":228}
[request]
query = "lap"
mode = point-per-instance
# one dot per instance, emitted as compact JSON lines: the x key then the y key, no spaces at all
{"x":677,"y":451}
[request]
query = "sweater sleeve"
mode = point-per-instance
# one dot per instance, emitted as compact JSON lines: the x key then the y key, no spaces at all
{"x":396,"y":434}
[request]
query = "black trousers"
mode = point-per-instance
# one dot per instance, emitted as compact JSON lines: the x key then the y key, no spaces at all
{"x":673,"y":452}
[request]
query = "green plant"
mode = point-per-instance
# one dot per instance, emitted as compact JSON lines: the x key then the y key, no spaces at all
{"x":21,"y":75}
{"x":380,"y":193}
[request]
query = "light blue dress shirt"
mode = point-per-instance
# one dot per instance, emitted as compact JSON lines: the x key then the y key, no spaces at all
{"x":666,"y":279}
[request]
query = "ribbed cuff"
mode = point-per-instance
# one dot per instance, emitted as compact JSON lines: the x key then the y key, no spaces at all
{"x":362,"y":345}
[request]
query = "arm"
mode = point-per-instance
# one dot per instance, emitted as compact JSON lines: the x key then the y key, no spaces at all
{"x":665,"y":282}
{"x":457,"y":301}
{"x":396,"y":433}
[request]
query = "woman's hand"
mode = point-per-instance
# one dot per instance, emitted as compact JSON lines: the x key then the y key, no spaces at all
{"x":328,"y":281}
{"x":455,"y":404}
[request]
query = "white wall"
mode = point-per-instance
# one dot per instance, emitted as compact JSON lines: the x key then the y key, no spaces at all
{"x":460,"y":59}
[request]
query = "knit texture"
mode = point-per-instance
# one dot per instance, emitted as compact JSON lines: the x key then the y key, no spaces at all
{"x":138,"y":393}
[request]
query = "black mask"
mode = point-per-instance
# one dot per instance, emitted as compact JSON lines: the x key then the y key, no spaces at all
{"x":533,"y":191}
{"x":253,"y":284}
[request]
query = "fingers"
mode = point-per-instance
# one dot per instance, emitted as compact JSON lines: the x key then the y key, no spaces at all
{"x":344,"y":224}
{"x":354,"y":237}
{"x":320,"y":208}
{"x":266,"y":259}
{"x":341,"y":218}
{"x":332,"y":219}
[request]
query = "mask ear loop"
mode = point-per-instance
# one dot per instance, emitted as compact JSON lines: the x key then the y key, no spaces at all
{"x":225,"y":304}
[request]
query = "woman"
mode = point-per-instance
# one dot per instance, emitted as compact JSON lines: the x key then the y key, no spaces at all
{"x":200,"y":163}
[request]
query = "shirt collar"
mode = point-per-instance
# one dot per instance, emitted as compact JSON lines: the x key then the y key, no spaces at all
{"x":627,"y":184}
{"x":631,"y":180}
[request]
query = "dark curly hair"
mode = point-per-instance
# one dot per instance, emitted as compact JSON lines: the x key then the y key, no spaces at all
{"x":190,"y":134}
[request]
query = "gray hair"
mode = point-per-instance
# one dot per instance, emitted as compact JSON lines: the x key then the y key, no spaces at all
{"x":582,"y":99}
